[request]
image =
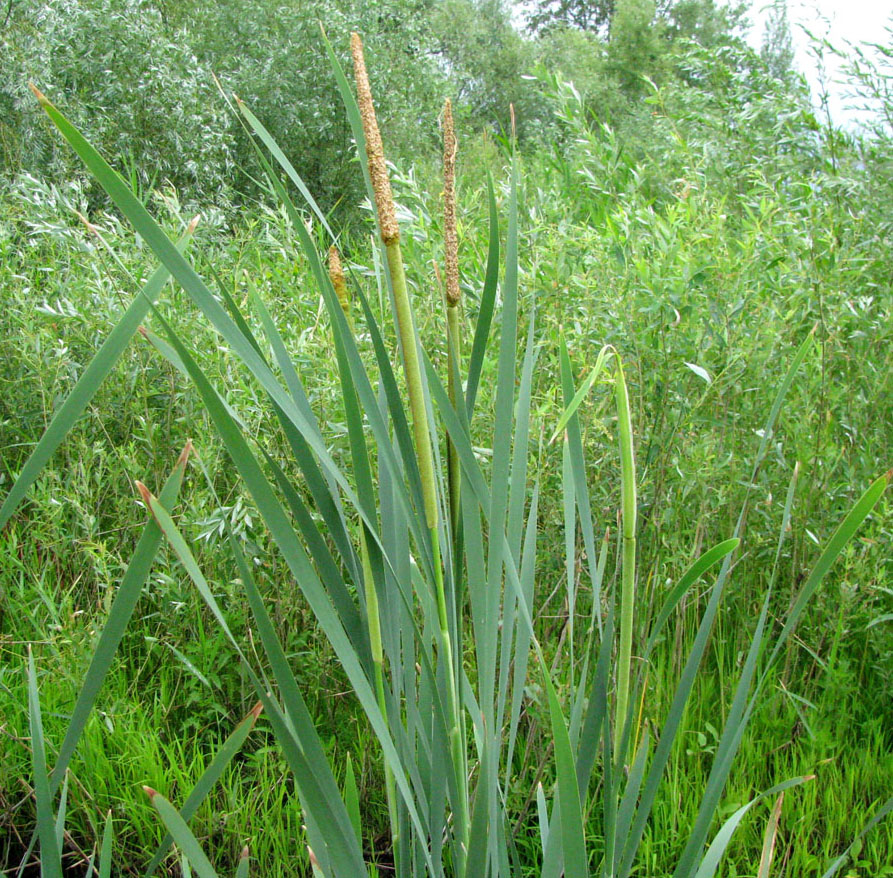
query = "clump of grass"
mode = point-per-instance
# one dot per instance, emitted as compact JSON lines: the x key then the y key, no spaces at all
{"x":369,"y":565}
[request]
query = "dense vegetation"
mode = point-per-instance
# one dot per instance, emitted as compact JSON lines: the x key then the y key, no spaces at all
{"x":683,"y":200}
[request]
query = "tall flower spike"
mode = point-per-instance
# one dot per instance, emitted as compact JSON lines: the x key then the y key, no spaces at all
{"x":450,"y":239}
{"x":336,"y":274}
{"x":378,"y":171}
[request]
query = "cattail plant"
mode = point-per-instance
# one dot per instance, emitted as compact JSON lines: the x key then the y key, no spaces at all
{"x":390,"y":236}
{"x":362,"y":543}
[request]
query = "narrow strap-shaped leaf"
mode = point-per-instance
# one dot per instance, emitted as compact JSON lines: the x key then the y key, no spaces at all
{"x":352,"y":799}
{"x":486,"y":307}
{"x":328,"y":570}
{"x":522,"y":640}
{"x":487,"y":627}
{"x":60,"y":813}
{"x":627,"y":807}
{"x":105,"y":855}
{"x":572,"y":838}
{"x":210,"y":776}
{"x":884,"y":810}
{"x":84,"y":390}
{"x":244,"y":861}
{"x":50,"y":855}
{"x":691,"y":576}
{"x":581,"y":483}
{"x":285,"y":164}
{"x":714,"y":854}
{"x":517,"y":500}
{"x":181,"y":834}
{"x":326,"y":503}
{"x":571,"y":407}
{"x":770,"y":837}
{"x":542,"y":813}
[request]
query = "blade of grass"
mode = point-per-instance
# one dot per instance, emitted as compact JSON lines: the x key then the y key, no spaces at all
{"x":885,"y":809}
{"x":105,"y":855}
{"x":181,"y":834}
{"x":50,"y":854}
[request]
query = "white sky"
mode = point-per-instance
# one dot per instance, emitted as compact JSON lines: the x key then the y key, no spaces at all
{"x":839,"y":21}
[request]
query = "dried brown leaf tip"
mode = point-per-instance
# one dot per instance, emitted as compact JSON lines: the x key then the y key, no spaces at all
{"x":41,"y":97}
{"x":378,"y":171}
{"x":188,"y":448}
{"x":450,"y":238}
{"x":145,"y":493}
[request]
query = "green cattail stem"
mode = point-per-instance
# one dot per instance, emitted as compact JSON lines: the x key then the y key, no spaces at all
{"x":454,"y":341}
{"x":412,"y":369}
{"x":628,"y":562}
{"x":374,"y":621}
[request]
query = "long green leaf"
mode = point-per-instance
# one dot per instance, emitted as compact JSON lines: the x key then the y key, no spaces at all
{"x":50,"y":854}
{"x":715,"y":852}
{"x":571,"y":829}
{"x":181,"y":834}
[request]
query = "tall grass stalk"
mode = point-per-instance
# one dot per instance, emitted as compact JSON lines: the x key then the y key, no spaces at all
{"x":363,"y":545}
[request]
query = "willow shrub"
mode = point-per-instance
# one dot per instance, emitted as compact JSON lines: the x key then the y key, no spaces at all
{"x":424,"y":579}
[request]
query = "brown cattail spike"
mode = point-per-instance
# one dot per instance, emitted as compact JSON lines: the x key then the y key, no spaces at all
{"x":336,"y":274}
{"x":450,"y":239}
{"x":378,"y":171}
